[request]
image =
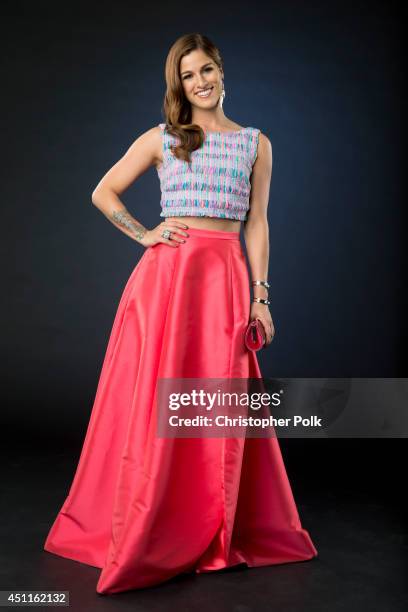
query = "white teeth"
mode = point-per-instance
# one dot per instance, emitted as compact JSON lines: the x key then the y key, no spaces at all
{"x":205,"y":94}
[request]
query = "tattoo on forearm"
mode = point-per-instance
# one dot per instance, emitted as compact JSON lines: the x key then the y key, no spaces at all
{"x":125,"y":219}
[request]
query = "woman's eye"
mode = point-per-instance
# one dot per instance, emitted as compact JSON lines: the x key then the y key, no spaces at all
{"x":208,"y":69}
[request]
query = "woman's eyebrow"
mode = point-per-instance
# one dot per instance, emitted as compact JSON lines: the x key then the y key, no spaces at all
{"x":203,"y":66}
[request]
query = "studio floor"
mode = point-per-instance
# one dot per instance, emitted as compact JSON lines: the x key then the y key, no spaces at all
{"x":352,"y":507}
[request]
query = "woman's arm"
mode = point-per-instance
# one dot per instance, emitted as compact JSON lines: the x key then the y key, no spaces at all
{"x":142,"y":154}
{"x":256,"y":231}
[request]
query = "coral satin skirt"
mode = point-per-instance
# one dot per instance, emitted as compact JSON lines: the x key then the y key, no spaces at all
{"x":144,"y":508}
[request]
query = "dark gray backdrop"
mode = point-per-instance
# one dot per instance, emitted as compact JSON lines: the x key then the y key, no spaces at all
{"x":80,"y":82}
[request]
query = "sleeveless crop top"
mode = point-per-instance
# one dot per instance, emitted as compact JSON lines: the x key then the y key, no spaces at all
{"x":216,"y":183}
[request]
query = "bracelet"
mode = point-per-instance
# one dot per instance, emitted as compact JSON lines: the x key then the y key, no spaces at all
{"x":261,"y":282}
{"x":264,"y":284}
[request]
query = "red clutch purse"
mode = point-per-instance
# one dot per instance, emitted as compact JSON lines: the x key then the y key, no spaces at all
{"x":255,"y":335}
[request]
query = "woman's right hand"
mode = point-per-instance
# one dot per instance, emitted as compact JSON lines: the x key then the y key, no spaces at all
{"x":154,"y":236}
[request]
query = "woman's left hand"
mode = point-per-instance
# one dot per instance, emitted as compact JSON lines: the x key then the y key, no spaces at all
{"x":261,"y":311}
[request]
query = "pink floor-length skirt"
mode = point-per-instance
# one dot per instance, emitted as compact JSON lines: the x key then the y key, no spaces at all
{"x":144,"y":508}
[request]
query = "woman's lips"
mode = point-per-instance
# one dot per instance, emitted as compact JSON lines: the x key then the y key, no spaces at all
{"x":206,"y":93}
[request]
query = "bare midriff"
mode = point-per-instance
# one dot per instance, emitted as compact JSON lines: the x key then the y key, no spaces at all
{"x":210,"y":223}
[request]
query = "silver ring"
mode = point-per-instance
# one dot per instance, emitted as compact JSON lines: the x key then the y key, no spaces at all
{"x":166,"y":234}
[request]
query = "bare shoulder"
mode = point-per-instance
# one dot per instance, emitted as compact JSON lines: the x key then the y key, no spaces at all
{"x":156,"y":138}
{"x":264,"y":150}
{"x":264,"y":144}
{"x":151,"y":136}
{"x":148,"y":144}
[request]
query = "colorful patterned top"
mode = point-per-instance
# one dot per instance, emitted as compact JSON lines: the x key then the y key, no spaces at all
{"x":217,"y":183}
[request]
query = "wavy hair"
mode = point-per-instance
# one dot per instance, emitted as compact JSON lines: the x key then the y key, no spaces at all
{"x":176,"y":107}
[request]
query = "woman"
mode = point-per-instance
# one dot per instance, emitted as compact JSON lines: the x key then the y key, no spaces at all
{"x":145,"y":508}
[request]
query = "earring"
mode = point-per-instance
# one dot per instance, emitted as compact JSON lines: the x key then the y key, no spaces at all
{"x":222,"y":96}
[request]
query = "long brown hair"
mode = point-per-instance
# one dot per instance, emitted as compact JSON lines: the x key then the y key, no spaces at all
{"x":176,"y":107}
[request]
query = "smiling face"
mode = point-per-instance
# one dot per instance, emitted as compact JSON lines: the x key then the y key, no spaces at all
{"x":201,"y":79}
